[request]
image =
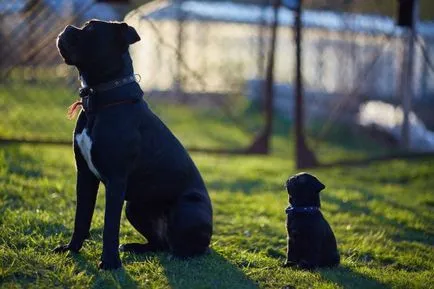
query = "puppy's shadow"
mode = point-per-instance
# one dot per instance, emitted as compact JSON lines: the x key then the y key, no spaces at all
{"x":406,"y":232}
{"x":209,"y":271}
{"x":345,"y":277}
{"x":104,"y":279}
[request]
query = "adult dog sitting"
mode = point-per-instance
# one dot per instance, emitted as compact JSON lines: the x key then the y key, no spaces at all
{"x":120,"y":142}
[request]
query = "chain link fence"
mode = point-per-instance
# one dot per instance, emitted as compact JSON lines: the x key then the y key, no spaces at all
{"x":203,"y":67}
{"x":36,"y":87}
{"x":215,"y":54}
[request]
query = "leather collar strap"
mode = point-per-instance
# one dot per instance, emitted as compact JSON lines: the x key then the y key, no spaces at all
{"x":301,"y":210}
{"x":87,"y":94}
{"x":88,"y":90}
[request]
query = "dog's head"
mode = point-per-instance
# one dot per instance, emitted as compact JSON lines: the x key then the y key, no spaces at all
{"x":96,"y":43}
{"x":303,"y":190}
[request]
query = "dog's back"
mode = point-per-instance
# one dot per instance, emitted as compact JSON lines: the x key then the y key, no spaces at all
{"x":329,"y":251}
{"x":311,"y":242}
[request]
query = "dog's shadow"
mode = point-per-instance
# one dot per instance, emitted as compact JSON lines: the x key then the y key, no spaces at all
{"x":104,"y":279}
{"x":209,"y":271}
{"x":406,"y":232}
{"x":346,"y":277}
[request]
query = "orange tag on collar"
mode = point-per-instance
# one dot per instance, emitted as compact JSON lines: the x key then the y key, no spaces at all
{"x":73,"y":109}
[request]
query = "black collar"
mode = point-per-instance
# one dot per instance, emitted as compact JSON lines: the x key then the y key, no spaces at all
{"x":87,"y":90}
{"x":290,"y":210}
{"x":87,"y":93}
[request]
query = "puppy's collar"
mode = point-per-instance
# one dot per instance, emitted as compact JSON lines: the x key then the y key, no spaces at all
{"x":89,"y":90}
{"x":301,"y":210}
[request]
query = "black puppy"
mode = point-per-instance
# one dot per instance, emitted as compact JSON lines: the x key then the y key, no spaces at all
{"x":311,"y":242}
{"x":120,"y":142}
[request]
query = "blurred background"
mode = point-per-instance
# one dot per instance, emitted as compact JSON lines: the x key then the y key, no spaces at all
{"x":318,"y":81}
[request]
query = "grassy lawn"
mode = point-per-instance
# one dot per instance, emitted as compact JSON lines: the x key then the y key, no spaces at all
{"x":38,"y":111}
{"x":382,"y":214}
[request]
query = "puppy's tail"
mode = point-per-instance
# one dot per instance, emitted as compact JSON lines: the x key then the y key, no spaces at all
{"x":73,"y":109}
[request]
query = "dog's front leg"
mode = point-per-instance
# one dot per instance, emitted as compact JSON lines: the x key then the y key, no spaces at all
{"x":291,"y":253}
{"x":87,"y":189}
{"x":309,"y":244}
{"x":115,"y":194}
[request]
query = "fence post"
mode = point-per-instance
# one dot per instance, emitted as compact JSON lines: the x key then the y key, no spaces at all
{"x":304,"y":157}
{"x":407,"y":78}
{"x":178,"y":85}
{"x":261,"y":144}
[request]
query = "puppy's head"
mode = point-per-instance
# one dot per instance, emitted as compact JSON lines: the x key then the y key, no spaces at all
{"x":95,"y":43}
{"x":303,"y":190}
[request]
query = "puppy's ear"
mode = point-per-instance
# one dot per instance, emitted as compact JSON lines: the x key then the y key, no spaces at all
{"x":129,"y":34}
{"x":316,"y":185}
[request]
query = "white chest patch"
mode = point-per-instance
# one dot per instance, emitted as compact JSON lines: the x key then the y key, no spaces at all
{"x":85,"y":144}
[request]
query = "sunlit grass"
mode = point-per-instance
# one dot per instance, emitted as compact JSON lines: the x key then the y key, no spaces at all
{"x":38,"y":112}
{"x":382,"y":216}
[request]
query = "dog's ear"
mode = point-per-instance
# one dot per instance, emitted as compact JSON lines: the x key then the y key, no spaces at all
{"x":129,"y":34}
{"x":316,"y":185}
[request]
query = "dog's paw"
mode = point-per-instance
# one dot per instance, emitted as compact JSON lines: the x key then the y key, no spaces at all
{"x":113,"y":265}
{"x":110,"y":261}
{"x":288,"y":264}
{"x":66,"y":248}
{"x":74,"y":244}
{"x":138,"y":248}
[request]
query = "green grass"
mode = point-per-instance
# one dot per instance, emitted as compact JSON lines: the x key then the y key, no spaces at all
{"x":38,"y":111}
{"x":35,"y":111}
{"x":382,"y":214}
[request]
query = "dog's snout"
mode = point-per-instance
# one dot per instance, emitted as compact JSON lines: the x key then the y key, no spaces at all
{"x":70,"y":35}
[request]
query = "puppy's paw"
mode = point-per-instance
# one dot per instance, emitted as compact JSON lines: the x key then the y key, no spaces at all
{"x":307,"y":265}
{"x":66,"y":248}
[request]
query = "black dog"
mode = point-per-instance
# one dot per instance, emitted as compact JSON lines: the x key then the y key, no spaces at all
{"x":120,"y":142}
{"x":311,"y":242}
